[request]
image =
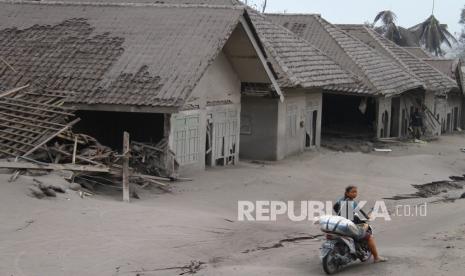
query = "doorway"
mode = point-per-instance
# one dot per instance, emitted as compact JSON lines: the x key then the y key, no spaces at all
{"x":348,"y":116}
{"x":456,"y":118}
{"x":311,"y":121}
{"x":449,"y":120}
{"x":395,"y":117}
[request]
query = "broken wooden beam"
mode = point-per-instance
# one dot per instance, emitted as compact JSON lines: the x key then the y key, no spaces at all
{"x":63,"y":167}
{"x":150,"y":177}
{"x":12,"y":91}
{"x":51,"y":137}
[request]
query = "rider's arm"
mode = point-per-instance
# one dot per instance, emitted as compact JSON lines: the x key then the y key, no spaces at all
{"x":337,"y":207}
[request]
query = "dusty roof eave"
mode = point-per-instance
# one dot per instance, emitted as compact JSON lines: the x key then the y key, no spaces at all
{"x":260,"y":50}
{"x":123,"y":108}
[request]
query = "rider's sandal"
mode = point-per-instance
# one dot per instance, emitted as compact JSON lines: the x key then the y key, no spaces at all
{"x":381,"y":260}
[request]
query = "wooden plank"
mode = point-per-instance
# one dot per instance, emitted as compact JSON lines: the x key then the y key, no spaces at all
{"x":16,"y":135}
{"x":65,"y":167}
{"x":150,"y":177}
{"x":126,"y":167}
{"x":75,"y":149}
{"x":77,"y":157}
{"x":149,"y":147}
{"x":12,"y":91}
{"x":28,"y":124}
{"x":31,"y":119}
{"x":7,"y":153}
{"x":41,"y":114}
{"x":36,"y":108}
{"x":51,"y":137}
{"x":15,"y":140}
{"x":21,"y":129}
{"x":37,"y":103}
{"x":12,"y":148}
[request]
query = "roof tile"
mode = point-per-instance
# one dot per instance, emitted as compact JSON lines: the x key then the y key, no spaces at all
{"x":379,"y":74}
{"x":150,"y":56}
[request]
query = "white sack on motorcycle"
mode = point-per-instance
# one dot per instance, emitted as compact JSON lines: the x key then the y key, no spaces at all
{"x":340,"y":225}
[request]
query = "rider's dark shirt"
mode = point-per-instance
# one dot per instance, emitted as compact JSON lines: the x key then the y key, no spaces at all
{"x":356,"y":219}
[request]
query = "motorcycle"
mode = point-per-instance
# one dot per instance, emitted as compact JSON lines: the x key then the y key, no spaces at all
{"x":341,"y":248}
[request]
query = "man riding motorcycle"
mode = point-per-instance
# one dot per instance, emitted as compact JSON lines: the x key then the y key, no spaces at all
{"x":349,"y":200}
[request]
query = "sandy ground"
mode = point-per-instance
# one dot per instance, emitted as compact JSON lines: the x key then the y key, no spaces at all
{"x":100,"y":235}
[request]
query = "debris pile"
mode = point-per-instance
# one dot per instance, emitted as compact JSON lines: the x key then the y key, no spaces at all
{"x":35,"y":130}
{"x":154,"y":159}
{"x":40,"y":190}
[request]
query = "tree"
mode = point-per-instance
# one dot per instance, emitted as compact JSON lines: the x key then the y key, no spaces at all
{"x":389,"y":28}
{"x":432,"y":34}
{"x":264,"y":6}
{"x":459,"y":49}
{"x":254,"y":5}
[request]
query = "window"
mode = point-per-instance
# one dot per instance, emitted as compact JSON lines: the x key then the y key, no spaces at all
{"x":246,"y":125}
{"x":187,"y":139}
{"x":291,"y":122}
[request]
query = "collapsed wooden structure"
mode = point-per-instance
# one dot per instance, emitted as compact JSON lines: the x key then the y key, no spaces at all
{"x":31,"y":118}
{"x":36,"y":130}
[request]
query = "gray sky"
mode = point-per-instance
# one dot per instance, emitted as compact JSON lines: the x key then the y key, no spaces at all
{"x":409,"y":12}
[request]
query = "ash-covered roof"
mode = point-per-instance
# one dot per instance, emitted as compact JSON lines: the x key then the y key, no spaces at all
{"x":297,"y":62}
{"x":447,"y":66}
{"x":378,"y":73}
{"x":154,"y":2}
{"x":418,"y":52}
{"x":113,"y":54}
{"x":432,"y":78}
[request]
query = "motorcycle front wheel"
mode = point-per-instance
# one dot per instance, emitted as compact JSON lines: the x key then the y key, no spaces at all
{"x":329,"y":263}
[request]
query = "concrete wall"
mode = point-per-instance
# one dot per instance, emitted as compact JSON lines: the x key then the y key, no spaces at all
{"x":454,"y":101}
{"x":444,"y":107}
{"x":291,"y":141}
{"x":259,"y":128}
{"x":297,"y":100}
{"x":219,"y":83}
{"x":384,"y":107}
{"x":266,"y":131}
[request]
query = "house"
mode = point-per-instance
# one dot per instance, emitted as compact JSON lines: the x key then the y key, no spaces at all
{"x":442,"y":97}
{"x":272,"y":129}
{"x":366,"y":109}
{"x":452,"y":105}
{"x":171,"y":71}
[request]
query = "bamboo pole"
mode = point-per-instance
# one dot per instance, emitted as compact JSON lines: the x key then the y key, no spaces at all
{"x":126,"y":172}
